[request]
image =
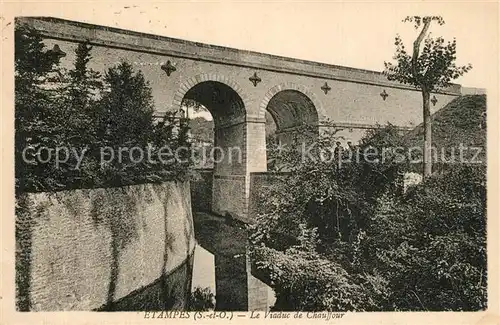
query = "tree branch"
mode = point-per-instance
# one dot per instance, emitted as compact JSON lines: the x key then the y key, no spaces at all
{"x":416,"y":46}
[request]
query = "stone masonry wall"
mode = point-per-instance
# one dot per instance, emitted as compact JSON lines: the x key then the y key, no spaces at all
{"x":84,"y":249}
{"x":353,"y":101}
{"x":355,"y":104}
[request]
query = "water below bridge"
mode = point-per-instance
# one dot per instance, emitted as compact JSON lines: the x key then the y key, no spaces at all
{"x":219,"y":263}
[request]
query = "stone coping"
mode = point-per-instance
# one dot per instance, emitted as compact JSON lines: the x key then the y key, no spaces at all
{"x":112,"y":37}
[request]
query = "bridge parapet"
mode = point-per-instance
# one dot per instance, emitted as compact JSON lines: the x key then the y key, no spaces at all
{"x":130,"y":40}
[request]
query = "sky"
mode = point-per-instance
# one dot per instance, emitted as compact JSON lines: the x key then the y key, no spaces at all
{"x":354,"y":34}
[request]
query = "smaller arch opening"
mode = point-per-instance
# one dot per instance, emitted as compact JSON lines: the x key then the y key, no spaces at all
{"x":291,"y":108}
{"x":291,"y":119}
{"x":292,"y":112}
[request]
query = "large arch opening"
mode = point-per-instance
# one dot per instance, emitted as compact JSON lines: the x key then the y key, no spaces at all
{"x":213,"y":108}
{"x":223,"y":187}
{"x":291,"y":120}
{"x":219,"y":113}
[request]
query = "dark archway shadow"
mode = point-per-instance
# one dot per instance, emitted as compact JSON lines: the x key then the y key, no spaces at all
{"x":230,"y":145}
{"x":296,"y":123}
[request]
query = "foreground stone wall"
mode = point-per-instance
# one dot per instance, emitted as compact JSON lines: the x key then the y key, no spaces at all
{"x":85,"y":249}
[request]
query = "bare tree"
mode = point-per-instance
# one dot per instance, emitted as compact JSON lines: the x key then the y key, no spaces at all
{"x":429,"y":69}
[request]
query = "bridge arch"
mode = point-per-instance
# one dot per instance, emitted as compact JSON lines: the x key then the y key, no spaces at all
{"x":228,"y":104}
{"x":263,"y":107}
{"x":291,"y":107}
{"x":190,"y":83}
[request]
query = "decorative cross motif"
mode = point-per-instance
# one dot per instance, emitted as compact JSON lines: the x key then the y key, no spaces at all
{"x":255,"y":79}
{"x":384,"y":95}
{"x":57,"y":51}
{"x":434,"y":100}
{"x":326,"y":88}
{"x":168,"y":68}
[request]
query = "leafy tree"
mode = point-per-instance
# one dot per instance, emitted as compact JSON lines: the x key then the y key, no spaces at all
{"x":32,"y":62}
{"x":127,"y":107}
{"x":38,"y":118}
{"x":305,"y":237}
{"x":125,"y":121}
{"x":428,"y":68}
{"x":202,"y":129}
{"x":191,"y":104}
{"x":83,"y":92}
{"x":81,"y":110}
{"x":430,"y":245}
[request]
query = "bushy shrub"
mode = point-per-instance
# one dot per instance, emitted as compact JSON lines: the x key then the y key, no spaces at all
{"x":37,"y":112}
{"x":431,"y":244}
{"x":350,"y":225}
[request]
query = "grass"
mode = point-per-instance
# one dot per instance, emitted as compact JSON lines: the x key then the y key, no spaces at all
{"x":462,"y":122}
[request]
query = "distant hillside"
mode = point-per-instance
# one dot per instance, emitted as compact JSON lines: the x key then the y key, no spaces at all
{"x":462,"y":121}
{"x":202,"y":129}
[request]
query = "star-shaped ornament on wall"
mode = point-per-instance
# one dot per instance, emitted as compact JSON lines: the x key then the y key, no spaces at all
{"x":255,"y":79}
{"x":384,"y":95}
{"x":168,"y":68}
{"x":326,"y":88}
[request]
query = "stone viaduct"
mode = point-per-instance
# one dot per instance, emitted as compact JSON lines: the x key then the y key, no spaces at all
{"x":238,"y":87}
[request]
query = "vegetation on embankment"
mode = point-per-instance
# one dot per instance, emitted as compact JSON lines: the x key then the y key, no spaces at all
{"x":362,"y":244}
{"x":462,"y":122}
